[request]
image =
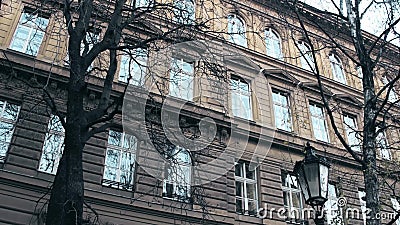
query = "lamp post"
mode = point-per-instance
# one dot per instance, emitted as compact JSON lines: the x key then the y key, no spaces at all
{"x":313,"y":173}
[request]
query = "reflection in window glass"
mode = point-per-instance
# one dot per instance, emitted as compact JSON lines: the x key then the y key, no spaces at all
{"x":120,"y":160}
{"x":319,"y":123}
{"x":178,"y":172}
{"x":53,"y":146}
{"x":181,"y":79}
{"x":306,"y":58}
{"x":282,"y":111}
{"x":337,"y":69}
{"x":184,"y":12}
{"x":8,"y":119}
{"x":273,"y":44}
{"x":236,"y":30}
{"x":292,"y":199}
{"x":133,"y":67}
{"x":241,"y":99}
{"x":382,"y":145}
{"x":350,"y":125}
{"x":29,"y":34}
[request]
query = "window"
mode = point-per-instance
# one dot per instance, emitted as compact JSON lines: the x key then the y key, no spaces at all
{"x":392,"y":94}
{"x":246,"y":189}
{"x":359,"y":74}
{"x":292,"y":199}
{"x":178,"y":173}
{"x":306,"y":57}
{"x":141,"y":3}
{"x":363,"y":204}
{"x":350,"y":126}
{"x":319,"y":123}
{"x":331,"y":207}
{"x":181,"y":79}
{"x":236,"y":30}
{"x":184,"y":12}
{"x":120,"y":160}
{"x":53,"y":146}
{"x":8,"y":119}
{"x":133,"y":66}
{"x":396,"y":207}
{"x":337,"y":69}
{"x":273,"y":44}
{"x":241,"y":99}
{"x":382,"y":145}
{"x":282,"y":111}
{"x":29,"y":34}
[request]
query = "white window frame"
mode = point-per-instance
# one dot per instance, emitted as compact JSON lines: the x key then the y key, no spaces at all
{"x":337,"y":69}
{"x":127,"y":146}
{"x":351,"y":128}
{"x":383,"y":145}
{"x":240,"y":98}
{"x":184,"y":11}
{"x":396,"y":207}
{"x":134,"y":66}
{"x":306,"y":58}
{"x":178,"y":174}
{"x":245,"y":181}
{"x":331,"y":206}
{"x":53,"y":146}
{"x":36,"y":27}
{"x":282,"y":108}
{"x":181,"y":79}
{"x":7,"y":122}
{"x":273,"y":44}
{"x":319,"y":119}
{"x":289,"y":183}
{"x":237,"y":30}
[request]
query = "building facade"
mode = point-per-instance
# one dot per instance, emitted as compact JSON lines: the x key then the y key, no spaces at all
{"x":268,"y":84}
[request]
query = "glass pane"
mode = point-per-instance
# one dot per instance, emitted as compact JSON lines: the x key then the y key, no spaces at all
{"x":6,"y":131}
{"x":114,"y":138}
{"x":110,"y":174}
{"x":252,"y":207}
{"x":127,"y":161}
{"x":129,"y":142}
{"x":239,"y":189}
{"x":239,"y":206}
{"x":239,"y":170}
{"x":249,"y":174}
{"x":112,"y":158}
{"x":296,"y":199}
{"x":251,"y":191}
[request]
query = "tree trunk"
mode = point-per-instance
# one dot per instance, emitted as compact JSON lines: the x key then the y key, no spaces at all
{"x":66,"y":200}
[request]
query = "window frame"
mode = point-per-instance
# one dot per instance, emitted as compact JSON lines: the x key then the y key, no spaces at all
{"x":287,"y":107}
{"x":134,"y":66}
{"x":9,"y":121}
{"x":244,"y":198}
{"x":306,"y":58}
{"x":337,"y":68}
{"x":177,"y":165}
{"x":54,"y":130}
{"x":34,"y":29}
{"x":240,"y":93}
{"x":121,"y":149}
{"x":292,"y":191}
{"x":181,"y":73}
{"x":323,"y":118}
{"x":349,"y":133}
{"x":181,"y":14}
{"x":236,"y":36}
{"x":273,"y":37}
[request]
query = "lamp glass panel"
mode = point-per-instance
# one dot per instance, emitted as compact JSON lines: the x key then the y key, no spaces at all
{"x":323,"y":171}
{"x":312,"y":175}
{"x":303,"y":184}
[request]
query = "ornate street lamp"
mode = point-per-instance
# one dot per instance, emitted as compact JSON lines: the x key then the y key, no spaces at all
{"x":313,"y":173}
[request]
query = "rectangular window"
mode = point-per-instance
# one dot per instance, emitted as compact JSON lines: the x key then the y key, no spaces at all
{"x":282,"y":111}
{"x":8,"y":119}
{"x":396,"y":207}
{"x":241,"y":99}
{"x":29,"y":34}
{"x":178,"y":173}
{"x":133,"y":66}
{"x":120,"y":160}
{"x":363,"y":204}
{"x":319,"y":123}
{"x":53,"y":146}
{"x":141,"y":3}
{"x":292,"y":199}
{"x":392,"y":94}
{"x":181,"y":79}
{"x":331,"y":207}
{"x":350,"y":125}
{"x":382,"y":145}
{"x":246,"y":189}
{"x":184,"y":12}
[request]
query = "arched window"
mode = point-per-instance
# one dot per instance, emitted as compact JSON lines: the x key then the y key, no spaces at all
{"x":236,"y":30}
{"x":273,"y":44}
{"x":337,"y":69}
{"x":306,"y":58}
{"x":184,"y":12}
